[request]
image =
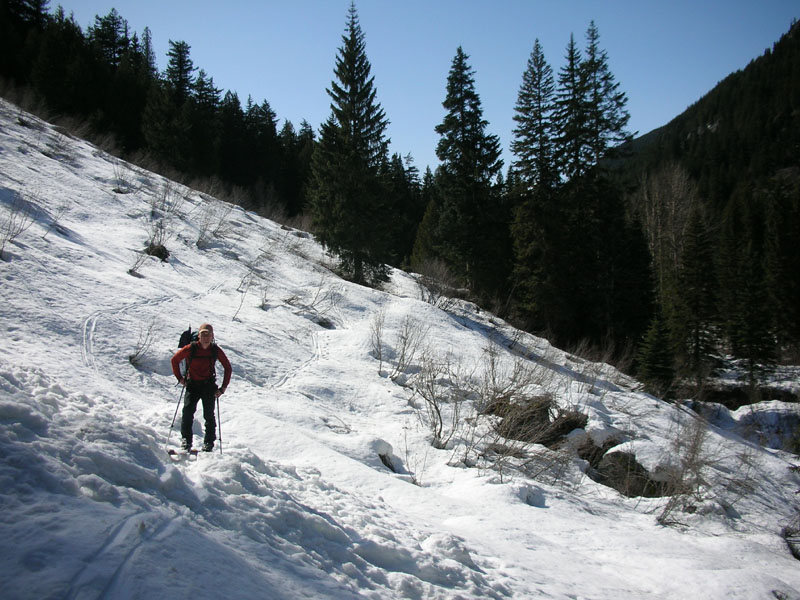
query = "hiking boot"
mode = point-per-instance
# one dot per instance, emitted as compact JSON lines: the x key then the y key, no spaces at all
{"x":186,"y":444}
{"x":208,"y":446}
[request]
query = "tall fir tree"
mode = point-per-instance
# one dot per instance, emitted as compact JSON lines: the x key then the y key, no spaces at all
{"x":606,"y":116}
{"x":533,"y":178}
{"x":781,"y":196}
{"x":572,"y":146}
{"x":472,"y":225}
{"x":180,"y":72}
{"x":533,"y":143}
{"x":745,"y":301}
{"x":694,"y":320}
{"x":347,"y":196}
{"x":110,"y":37}
{"x":655,"y":364}
{"x":232,"y":140}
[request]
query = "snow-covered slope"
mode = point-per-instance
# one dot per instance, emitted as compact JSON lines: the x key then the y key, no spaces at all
{"x":301,"y":502}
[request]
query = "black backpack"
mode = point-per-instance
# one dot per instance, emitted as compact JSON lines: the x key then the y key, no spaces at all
{"x":187,"y":337}
{"x":192,"y":337}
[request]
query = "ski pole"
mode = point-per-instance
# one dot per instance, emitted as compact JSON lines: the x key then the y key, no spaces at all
{"x":219,"y":424}
{"x":171,"y":425}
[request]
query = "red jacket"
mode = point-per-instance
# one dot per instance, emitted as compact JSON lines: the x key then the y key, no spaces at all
{"x":201,"y":366}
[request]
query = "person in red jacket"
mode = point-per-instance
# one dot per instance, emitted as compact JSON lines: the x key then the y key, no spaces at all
{"x":200,"y":383}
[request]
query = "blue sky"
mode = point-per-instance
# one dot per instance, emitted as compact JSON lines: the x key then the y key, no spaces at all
{"x":664,"y":54}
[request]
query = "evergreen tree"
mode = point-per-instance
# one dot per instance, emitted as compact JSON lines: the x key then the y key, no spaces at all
{"x":62,"y":69}
{"x":532,"y":182}
{"x":572,"y":152}
{"x":655,"y":361}
{"x":533,"y":135}
{"x":232,"y":140}
{"x":404,"y":196}
{"x":347,"y":194}
{"x":582,"y":268}
{"x":180,"y":72}
{"x":694,"y":325}
{"x":781,"y":197}
{"x":20,"y":22}
{"x":200,"y":118}
{"x":745,"y":300}
{"x":471,"y":219}
{"x":148,"y":54}
{"x":125,"y":105}
{"x":109,"y":36}
{"x":606,"y":117}
{"x":263,"y":148}
{"x":296,"y":152}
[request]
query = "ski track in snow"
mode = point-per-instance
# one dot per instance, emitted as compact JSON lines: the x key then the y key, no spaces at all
{"x":94,"y":578}
{"x":289,"y":374}
{"x":90,"y":323}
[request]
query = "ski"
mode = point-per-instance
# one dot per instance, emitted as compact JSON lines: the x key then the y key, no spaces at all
{"x":182,"y":453}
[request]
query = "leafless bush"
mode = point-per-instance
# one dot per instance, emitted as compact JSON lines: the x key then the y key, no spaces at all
{"x":376,"y":337}
{"x":501,"y":380}
{"x":122,"y":184}
{"x":437,"y":285}
{"x":55,"y":218}
{"x":17,"y":218}
{"x":320,"y":302}
{"x":414,"y":463}
{"x":791,"y":534}
{"x":139,"y":259}
{"x":165,"y":207}
{"x":158,"y":231}
{"x":441,"y":406}
{"x":687,"y":482}
{"x":143,"y":343}
{"x":408,"y":342}
{"x":519,"y":417}
{"x":167,"y":203}
{"x":214,"y":222}
{"x":243,"y":288}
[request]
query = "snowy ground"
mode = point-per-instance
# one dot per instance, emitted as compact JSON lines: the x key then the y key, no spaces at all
{"x":299,"y":504}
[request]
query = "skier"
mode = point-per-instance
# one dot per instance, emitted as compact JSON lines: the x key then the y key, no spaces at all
{"x":200,"y":384}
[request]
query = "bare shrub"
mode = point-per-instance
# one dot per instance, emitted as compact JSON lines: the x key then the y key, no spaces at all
{"x":55,"y":218}
{"x":519,"y":417}
{"x":122,"y":182}
{"x":139,"y":259}
{"x":243,"y":288}
{"x":437,"y":285}
{"x":441,"y":406}
{"x":158,"y":233}
{"x":407,"y":345}
{"x":17,"y":218}
{"x":165,"y":207}
{"x":791,"y":535}
{"x":214,"y":222}
{"x":415,"y":465}
{"x":320,"y":303}
{"x":686,"y":482}
{"x":376,"y":337}
{"x":143,"y":343}
{"x":167,"y":203}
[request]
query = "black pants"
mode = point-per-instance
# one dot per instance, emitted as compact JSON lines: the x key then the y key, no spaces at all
{"x":195,"y":392}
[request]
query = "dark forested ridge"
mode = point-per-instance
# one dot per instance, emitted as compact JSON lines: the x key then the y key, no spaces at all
{"x":679,"y":247}
{"x":718,"y":192}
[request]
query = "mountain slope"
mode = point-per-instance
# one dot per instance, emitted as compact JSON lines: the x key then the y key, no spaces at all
{"x":327,"y":485}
